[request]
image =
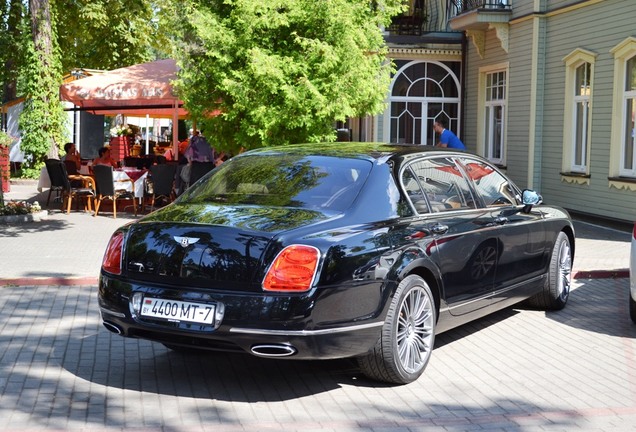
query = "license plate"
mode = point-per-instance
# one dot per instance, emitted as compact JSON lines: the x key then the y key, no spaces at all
{"x":174,"y":310}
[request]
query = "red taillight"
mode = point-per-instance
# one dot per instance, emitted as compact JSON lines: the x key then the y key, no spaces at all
{"x":293,"y":269}
{"x":634,"y":231}
{"x":112,"y":258}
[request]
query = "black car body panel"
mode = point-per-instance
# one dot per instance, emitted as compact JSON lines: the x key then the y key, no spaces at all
{"x":374,"y":212}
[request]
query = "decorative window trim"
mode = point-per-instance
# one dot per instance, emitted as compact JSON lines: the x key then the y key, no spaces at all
{"x":575,"y":178}
{"x":622,"y":183}
{"x":622,"y":53}
{"x":481,"y":112}
{"x":573,"y":61}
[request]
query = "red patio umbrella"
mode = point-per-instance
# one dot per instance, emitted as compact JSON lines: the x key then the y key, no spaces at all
{"x":474,"y":170}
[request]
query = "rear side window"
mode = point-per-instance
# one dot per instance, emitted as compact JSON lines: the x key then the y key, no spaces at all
{"x":284,"y":180}
{"x":437,"y":185}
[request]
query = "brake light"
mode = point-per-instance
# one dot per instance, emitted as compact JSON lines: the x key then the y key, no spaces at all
{"x":293,"y":269}
{"x":112,"y":258}
{"x":634,"y":231}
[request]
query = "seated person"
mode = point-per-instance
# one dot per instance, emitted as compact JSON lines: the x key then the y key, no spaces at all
{"x":72,"y":155}
{"x":104,"y":158}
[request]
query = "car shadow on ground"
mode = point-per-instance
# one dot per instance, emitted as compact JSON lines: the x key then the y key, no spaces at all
{"x":141,"y":365}
{"x":599,"y":306}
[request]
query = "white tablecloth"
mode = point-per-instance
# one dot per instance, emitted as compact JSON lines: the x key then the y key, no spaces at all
{"x":44,"y":182}
{"x":139,"y":183}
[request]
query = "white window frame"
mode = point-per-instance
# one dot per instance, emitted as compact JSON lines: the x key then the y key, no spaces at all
{"x":573,"y":61}
{"x":485,"y":117}
{"x":622,"y":52}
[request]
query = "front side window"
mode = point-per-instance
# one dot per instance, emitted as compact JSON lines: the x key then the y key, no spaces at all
{"x":493,"y":188}
{"x":495,"y":105}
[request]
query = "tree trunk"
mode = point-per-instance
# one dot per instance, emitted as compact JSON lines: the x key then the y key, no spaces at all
{"x":43,"y":41}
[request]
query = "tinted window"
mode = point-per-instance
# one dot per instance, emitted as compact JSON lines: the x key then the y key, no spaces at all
{"x":441,"y":184}
{"x":494,"y":188}
{"x":284,"y":180}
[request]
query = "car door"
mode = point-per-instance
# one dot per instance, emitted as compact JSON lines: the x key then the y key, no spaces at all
{"x":464,"y":246}
{"x":520,"y":235}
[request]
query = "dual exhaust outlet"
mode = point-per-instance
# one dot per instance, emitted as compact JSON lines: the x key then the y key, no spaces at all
{"x":260,"y":350}
{"x":273,"y":350}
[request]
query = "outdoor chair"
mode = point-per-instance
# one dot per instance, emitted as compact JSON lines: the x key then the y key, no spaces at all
{"x":55,"y":176}
{"x":160,"y":184}
{"x":198,"y":170}
{"x":57,"y":173}
{"x":71,"y":168}
{"x":106,"y":189}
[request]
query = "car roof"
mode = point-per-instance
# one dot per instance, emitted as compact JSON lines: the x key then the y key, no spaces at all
{"x":363,"y":150}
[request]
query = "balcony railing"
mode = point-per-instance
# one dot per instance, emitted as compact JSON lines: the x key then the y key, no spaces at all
{"x":462,"y":6}
{"x":433,"y":16}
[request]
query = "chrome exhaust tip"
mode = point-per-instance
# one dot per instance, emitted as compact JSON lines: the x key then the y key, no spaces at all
{"x":273,"y":350}
{"x":112,"y":327}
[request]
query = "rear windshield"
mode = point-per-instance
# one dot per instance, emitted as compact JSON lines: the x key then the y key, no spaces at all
{"x":283,"y":180}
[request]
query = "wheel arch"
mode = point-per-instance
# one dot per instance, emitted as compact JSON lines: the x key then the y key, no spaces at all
{"x":428,"y":276}
{"x":570,"y":233}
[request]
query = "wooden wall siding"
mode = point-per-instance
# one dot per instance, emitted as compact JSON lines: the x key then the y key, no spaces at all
{"x":522,"y":8}
{"x":494,"y":54}
{"x":519,"y":91}
{"x":596,"y":28}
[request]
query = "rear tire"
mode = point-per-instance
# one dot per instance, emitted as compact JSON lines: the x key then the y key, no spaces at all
{"x":557,"y":286}
{"x":405,"y":345}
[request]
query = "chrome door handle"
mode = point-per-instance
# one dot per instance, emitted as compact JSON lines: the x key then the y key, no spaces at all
{"x":439,"y":228}
{"x":501,"y":220}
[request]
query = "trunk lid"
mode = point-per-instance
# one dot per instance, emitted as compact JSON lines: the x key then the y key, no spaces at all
{"x":203,"y":245}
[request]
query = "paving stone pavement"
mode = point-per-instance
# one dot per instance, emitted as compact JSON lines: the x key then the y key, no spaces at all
{"x":516,"y":370}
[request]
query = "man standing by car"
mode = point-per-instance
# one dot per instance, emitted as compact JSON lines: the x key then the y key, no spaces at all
{"x":446,"y":137}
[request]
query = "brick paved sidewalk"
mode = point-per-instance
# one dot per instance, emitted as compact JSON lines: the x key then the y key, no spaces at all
{"x":517,"y":370}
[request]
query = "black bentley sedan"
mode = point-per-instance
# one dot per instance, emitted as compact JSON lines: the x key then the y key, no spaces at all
{"x":326,"y":251}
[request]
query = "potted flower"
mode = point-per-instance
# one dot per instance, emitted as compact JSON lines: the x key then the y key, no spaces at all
{"x":20,"y":212}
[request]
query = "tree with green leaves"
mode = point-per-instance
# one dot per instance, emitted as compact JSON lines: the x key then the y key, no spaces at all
{"x":272,"y":72}
{"x":11,"y":14}
{"x":107,"y":34}
{"x":42,"y":121}
{"x":52,"y":37}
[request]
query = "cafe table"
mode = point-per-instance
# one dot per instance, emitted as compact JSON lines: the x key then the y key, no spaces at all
{"x":138,"y":176}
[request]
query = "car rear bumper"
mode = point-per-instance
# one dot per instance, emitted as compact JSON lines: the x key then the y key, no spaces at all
{"x":265,"y":326}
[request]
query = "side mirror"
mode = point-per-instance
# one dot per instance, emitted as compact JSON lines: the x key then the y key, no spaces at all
{"x":530,"y":198}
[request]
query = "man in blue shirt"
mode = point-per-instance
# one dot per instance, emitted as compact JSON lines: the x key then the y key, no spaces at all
{"x":446,"y":137}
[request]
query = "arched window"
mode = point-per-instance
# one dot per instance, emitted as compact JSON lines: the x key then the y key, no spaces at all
{"x":421,"y":93}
